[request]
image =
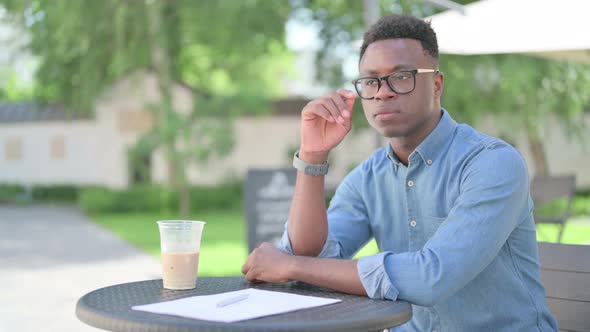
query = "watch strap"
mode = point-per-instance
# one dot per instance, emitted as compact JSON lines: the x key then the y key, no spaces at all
{"x":310,"y":169}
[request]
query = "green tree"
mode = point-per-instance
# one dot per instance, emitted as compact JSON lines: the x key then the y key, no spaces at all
{"x":523,"y":92}
{"x":229,"y":52}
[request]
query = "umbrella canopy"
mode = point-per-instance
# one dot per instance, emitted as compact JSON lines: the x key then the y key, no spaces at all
{"x":546,"y":28}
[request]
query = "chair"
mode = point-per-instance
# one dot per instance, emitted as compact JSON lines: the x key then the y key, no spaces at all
{"x":547,"y":190}
{"x":565,"y":272}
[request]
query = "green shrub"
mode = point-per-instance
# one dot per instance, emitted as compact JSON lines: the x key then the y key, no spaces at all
{"x":581,"y":206}
{"x":155,"y":198}
{"x":55,"y":193}
{"x":552,"y":208}
{"x":39,"y":193}
{"x":223,"y":197}
{"x":97,"y":199}
{"x":145,"y":198}
{"x":11,"y":192}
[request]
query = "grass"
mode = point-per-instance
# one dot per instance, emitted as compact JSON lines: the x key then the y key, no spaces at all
{"x":224,"y":248}
{"x":223,"y":244}
{"x":576,"y":231}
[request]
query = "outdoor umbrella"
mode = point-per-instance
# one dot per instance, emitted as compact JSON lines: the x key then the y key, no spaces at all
{"x":546,"y":28}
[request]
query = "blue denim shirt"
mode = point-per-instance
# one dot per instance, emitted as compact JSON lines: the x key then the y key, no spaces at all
{"x":454,"y":229}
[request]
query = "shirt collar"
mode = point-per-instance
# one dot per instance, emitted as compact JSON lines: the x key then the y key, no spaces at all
{"x":431,"y":146}
{"x":391,"y":156}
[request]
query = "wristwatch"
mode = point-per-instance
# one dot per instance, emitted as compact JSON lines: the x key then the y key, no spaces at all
{"x":310,"y":169}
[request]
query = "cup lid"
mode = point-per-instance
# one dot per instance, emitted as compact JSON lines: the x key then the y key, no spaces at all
{"x":179,"y":224}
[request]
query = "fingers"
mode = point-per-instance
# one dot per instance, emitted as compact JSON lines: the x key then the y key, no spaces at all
{"x":250,"y":276}
{"x":315,"y":109}
{"x":248,"y":265}
{"x":248,"y":269}
{"x":349,"y":97}
{"x":346,"y":94}
{"x":323,"y":107}
{"x":245,"y":268}
{"x":334,"y":107}
{"x":340,"y":105}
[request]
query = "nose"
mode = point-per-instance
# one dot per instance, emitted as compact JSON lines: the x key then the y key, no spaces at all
{"x":385,"y":92}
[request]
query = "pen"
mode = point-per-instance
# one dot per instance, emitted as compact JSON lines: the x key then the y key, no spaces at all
{"x":232,"y":300}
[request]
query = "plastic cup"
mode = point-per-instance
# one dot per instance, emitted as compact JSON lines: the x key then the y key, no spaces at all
{"x":180,"y":243}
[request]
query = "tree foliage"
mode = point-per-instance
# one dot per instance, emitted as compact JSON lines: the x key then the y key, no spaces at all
{"x":524,"y":93}
{"x":216,"y":47}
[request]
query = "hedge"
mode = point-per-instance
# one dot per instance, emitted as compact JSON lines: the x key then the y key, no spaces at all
{"x":152,"y":198}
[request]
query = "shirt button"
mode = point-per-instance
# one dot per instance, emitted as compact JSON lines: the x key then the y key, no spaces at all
{"x":413,"y":223}
{"x":410,"y":183}
{"x":429,"y":161}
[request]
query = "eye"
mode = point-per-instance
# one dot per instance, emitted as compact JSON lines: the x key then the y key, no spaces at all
{"x":402,"y":76}
{"x":369,"y":82}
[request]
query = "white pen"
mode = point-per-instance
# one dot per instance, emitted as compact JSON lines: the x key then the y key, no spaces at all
{"x":232,"y":300}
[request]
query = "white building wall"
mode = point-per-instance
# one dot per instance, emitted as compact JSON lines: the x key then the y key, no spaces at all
{"x":260,"y":142}
{"x":80,"y":163}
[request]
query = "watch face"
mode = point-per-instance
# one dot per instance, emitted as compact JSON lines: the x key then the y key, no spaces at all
{"x":316,"y":170}
{"x":313,"y":170}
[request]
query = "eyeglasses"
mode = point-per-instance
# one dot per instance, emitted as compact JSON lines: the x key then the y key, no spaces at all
{"x":400,"y":82}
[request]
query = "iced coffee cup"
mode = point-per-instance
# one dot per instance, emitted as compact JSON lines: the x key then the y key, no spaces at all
{"x":180,"y":242}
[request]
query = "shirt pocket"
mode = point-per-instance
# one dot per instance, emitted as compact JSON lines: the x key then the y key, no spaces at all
{"x":431,"y":225}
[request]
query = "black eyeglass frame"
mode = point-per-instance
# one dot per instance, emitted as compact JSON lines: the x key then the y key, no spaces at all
{"x":386,"y":79}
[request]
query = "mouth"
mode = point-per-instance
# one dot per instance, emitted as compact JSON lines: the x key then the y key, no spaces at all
{"x":386,"y":115}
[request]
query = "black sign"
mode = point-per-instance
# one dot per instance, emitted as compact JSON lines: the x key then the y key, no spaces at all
{"x":267,"y":199}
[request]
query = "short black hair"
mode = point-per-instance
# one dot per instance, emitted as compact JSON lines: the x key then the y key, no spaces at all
{"x":402,"y":26}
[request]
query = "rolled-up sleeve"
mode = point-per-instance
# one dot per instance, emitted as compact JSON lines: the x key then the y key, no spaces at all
{"x":494,"y":190}
{"x":348,"y":225}
{"x":331,"y":248}
{"x":374,"y":277}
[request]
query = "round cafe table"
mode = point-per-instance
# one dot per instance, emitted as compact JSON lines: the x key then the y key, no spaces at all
{"x":110,"y":309}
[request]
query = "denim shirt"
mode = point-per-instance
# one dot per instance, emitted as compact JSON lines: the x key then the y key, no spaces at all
{"x":455,"y":233}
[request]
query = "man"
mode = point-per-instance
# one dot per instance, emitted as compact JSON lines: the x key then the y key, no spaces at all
{"x":448,"y":206}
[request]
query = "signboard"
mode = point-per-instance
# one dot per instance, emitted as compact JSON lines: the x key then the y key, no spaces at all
{"x":267,"y":199}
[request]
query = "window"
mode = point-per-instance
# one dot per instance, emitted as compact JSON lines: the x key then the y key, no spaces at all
{"x":135,"y":121}
{"x":13,"y":149}
{"x":57,"y":148}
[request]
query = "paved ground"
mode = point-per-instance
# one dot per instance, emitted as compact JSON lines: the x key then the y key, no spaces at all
{"x":50,"y":257}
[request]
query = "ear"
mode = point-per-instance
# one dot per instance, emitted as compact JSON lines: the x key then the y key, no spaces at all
{"x":439,"y":84}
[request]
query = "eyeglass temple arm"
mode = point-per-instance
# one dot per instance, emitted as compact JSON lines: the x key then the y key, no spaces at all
{"x":420,"y":71}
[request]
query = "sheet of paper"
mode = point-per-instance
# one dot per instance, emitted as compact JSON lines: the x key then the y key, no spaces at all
{"x":258,"y":304}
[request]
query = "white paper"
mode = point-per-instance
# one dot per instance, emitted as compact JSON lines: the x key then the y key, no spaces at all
{"x":258,"y":304}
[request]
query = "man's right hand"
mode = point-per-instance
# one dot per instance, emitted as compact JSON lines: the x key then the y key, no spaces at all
{"x":324,"y":124}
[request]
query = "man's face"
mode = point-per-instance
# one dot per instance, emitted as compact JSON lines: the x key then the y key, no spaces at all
{"x":401,"y":115}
